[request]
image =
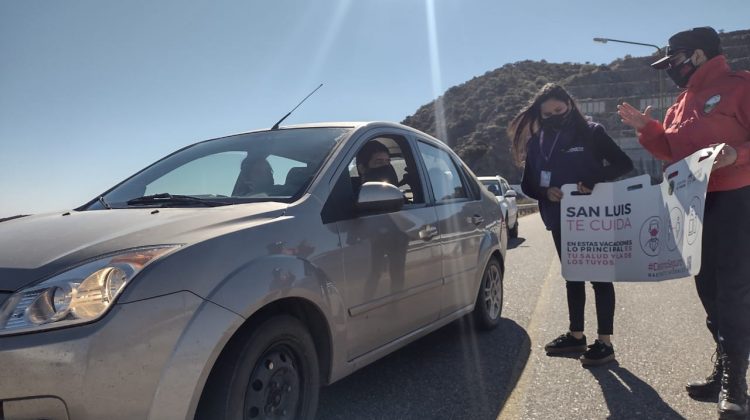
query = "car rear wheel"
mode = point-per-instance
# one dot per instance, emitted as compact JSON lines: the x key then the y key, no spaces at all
{"x":489,"y":304}
{"x":272,"y":374}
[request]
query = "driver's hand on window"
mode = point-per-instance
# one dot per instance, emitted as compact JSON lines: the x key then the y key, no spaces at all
{"x":407,"y":178}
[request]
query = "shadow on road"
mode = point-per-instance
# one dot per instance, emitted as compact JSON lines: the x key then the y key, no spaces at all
{"x":515,"y":242}
{"x":628,"y":397}
{"x":455,"y":372}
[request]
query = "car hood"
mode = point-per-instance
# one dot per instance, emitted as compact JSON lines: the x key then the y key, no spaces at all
{"x":35,"y":247}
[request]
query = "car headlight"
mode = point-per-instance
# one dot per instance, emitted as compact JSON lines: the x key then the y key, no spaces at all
{"x":79,"y":295}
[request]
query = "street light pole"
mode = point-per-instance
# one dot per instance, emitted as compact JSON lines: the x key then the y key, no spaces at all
{"x":660,"y":99}
{"x":605,"y":40}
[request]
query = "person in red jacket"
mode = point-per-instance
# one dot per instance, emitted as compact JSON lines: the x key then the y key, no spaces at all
{"x":714,"y":108}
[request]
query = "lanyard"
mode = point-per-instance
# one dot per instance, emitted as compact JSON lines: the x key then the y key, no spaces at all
{"x":552,"y":149}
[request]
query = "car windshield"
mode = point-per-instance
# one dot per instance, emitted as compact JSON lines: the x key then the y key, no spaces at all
{"x":262,"y":166}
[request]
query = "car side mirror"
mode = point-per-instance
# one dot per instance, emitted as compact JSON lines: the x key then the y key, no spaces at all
{"x":511,"y":194}
{"x":379,"y":197}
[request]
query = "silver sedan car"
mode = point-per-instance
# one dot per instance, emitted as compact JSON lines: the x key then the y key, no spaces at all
{"x":234,"y":277}
{"x":506,"y":198}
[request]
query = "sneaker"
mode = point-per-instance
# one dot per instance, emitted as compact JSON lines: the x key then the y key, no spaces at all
{"x":598,"y":354}
{"x":566,"y":343}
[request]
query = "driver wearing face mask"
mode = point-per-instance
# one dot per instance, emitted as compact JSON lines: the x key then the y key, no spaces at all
{"x":374,"y":164}
{"x":714,"y":108}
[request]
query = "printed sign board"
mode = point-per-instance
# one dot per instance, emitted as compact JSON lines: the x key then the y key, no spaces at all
{"x":630,"y":230}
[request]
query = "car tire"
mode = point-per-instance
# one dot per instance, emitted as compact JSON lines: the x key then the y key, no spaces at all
{"x":513,"y":233}
{"x":489,"y":305}
{"x":273,"y":373}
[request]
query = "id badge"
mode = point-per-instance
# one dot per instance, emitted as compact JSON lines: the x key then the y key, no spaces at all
{"x":545,"y":178}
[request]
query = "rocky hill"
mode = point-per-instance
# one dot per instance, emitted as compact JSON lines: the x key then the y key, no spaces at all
{"x":475,"y":114}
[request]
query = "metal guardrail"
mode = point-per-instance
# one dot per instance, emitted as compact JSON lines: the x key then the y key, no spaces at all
{"x":524,"y":209}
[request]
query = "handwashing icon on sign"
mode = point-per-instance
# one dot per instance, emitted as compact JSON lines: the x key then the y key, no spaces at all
{"x":692,"y":224}
{"x":694,"y":220}
{"x":675,"y":229}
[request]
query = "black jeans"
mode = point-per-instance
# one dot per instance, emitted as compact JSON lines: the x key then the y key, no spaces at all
{"x":604,"y":295}
{"x":723,"y":282}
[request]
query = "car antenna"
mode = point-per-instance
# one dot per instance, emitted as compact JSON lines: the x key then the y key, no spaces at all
{"x":276,"y":126}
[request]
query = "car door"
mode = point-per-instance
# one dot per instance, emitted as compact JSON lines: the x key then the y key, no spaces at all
{"x":391,"y":260}
{"x":460,"y":222}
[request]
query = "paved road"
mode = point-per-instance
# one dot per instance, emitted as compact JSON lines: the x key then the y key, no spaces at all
{"x":457,"y":373}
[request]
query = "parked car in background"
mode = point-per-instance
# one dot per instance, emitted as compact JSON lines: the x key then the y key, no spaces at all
{"x":506,"y":197}
{"x":235,"y":276}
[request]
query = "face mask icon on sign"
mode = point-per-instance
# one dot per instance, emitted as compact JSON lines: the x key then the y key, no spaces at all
{"x":653,"y":230}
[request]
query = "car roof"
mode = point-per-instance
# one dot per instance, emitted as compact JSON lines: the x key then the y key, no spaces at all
{"x":356,"y":126}
{"x":339,"y":124}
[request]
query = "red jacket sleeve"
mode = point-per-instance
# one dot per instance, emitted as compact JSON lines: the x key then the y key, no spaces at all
{"x":653,"y":139}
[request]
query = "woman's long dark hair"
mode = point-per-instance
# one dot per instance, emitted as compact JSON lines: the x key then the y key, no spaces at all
{"x":527,"y":123}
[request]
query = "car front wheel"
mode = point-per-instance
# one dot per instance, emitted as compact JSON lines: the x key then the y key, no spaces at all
{"x":272,"y":374}
{"x":489,"y":304}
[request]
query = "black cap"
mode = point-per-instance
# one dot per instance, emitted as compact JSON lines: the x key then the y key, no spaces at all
{"x":704,"y":38}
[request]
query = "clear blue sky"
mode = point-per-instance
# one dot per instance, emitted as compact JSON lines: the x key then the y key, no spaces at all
{"x":93,"y":90}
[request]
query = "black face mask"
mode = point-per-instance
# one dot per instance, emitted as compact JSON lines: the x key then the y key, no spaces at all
{"x":555,"y":122}
{"x":382,"y":174}
{"x":680,"y":74}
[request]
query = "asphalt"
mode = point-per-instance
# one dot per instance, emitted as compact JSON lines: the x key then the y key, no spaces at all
{"x":458,"y":373}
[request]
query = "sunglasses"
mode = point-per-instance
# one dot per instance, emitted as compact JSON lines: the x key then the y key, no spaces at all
{"x":680,"y":56}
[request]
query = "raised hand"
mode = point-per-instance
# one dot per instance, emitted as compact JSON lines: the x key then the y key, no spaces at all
{"x":633,"y":117}
{"x":727,"y":156}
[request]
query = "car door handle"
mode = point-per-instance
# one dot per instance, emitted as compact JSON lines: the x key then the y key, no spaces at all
{"x":428,"y":232}
{"x":477,"y":219}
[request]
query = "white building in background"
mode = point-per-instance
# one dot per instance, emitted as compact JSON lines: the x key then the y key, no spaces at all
{"x":604,"y":111}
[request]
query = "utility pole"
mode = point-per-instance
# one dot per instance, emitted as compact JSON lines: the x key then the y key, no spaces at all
{"x":660,"y":100}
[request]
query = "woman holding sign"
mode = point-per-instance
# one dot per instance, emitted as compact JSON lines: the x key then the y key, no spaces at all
{"x":557,"y":145}
{"x":714,"y":108}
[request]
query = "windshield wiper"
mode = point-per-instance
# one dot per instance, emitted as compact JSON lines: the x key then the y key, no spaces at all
{"x":167,"y":199}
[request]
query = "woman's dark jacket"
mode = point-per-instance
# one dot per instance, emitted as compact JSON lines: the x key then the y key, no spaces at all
{"x":588,"y":157}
